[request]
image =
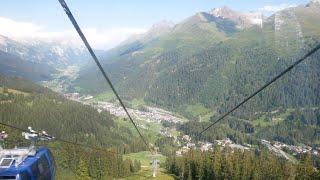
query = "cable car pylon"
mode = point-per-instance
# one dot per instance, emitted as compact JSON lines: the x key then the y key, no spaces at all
{"x":155,"y":162}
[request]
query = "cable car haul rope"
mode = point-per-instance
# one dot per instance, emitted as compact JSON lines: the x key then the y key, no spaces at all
{"x":84,"y":39}
{"x":314,"y":50}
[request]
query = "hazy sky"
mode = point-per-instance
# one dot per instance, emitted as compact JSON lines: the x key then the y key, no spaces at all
{"x":107,"y":22}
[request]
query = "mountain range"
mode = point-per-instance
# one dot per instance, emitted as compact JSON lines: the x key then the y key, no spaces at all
{"x":38,"y":60}
{"x":214,"y":59}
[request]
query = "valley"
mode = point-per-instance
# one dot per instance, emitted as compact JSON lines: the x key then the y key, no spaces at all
{"x":157,"y":123}
{"x":176,"y":80}
{"x":62,"y":80}
{"x":150,"y":115}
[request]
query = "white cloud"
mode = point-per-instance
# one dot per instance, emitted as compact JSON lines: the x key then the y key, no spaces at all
{"x":99,"y":38}
{"x":9,"y":27}
{"x":272,"y":9}
{"x":110,"y":37}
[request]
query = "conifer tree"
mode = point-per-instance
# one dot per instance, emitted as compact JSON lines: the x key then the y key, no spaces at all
{"x":82,"y":170}
{"x":305,"y":168}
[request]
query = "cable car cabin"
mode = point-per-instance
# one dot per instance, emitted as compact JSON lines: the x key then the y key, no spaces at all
{"x":27,"y":164}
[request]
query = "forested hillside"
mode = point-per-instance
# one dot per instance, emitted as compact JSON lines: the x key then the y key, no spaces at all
{"x":228,"y":70}
{"x":234,"y":164}
{"x":135,"y":58}
{"x":14,"y":65}
{"x":292,"y":126}
{"x":24,"y":104}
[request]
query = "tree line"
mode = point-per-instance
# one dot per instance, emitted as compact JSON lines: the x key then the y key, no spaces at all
{"x":236,"y":164}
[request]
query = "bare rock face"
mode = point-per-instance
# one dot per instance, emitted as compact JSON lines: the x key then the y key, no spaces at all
{"x":225,"y":12}
{"x":243,"y":20}
{"x":156,"y":30}
{"x":314,"y":4}
{"x":55,"y":53}
{"x":160,"y":28}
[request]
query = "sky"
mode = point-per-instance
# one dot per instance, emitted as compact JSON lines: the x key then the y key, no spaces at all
{"x":108,"y":22}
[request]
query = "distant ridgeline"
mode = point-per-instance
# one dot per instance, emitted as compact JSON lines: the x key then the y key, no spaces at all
{"x":24,"y":104}
{"x":206,"y":60}
{"x":38,"y":60}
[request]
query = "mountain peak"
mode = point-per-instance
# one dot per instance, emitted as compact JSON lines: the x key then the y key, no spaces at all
{"x":223,"y":12}
{"x":314,"y":2}
{"x":164,"y":24}
{"x":155,"y":31}
{"x":243,"y":20}
{"x":158,"y":29}
{"x":3,"y":40}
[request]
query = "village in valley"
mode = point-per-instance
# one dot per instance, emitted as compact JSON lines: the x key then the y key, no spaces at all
{"x":278,"y":148}
{"x":183,"y":141}
{"x":150,"y":114}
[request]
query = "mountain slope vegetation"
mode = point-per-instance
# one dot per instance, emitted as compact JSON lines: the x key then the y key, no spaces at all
{"x":234,"y":164}
{"x":225,"y":71}
{"x":12,"y":65}
{"x":24,"y":104}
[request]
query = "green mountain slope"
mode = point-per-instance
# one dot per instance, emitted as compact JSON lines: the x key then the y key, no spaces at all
{"x":191,"y":35}
{"x":130,"y":60}
{"x":226,"y":71}
{"x":43,"y":109}
{"x":13,"y":65}
{"x":24,"y":104}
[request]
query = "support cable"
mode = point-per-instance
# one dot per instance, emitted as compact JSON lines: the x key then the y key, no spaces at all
{"x":262,"y":88}
{"x":84,"y":39}
{"x":59,"y":139}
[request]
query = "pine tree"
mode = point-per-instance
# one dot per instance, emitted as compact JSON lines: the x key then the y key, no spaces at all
{"x":82,"y":170}
{"x":217,"y":161}
{"x":305,"y":168}
{"x":5,"y":90}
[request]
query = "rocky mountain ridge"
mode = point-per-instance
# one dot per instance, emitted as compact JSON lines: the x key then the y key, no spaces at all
{"x":243,"y":20}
